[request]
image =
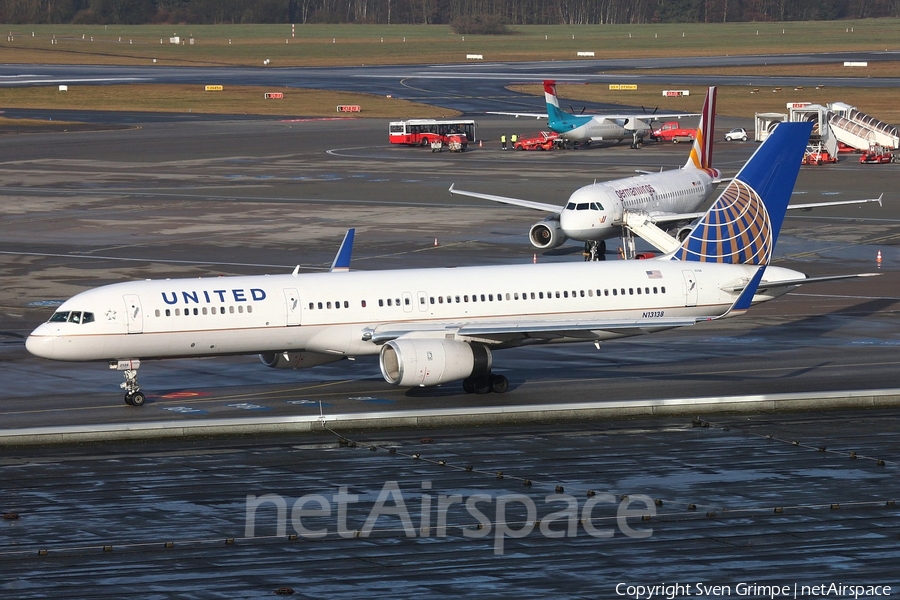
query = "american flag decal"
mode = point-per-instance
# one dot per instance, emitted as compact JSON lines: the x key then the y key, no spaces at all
{"x":654,"y":274}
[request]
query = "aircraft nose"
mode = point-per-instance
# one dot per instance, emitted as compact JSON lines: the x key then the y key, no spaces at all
{"x":40,"y":342}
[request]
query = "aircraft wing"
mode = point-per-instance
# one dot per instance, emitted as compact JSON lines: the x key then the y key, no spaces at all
{"x":518,"y":114}
{"x":646,"y":116}
{"x":674,"y":217}
{"x":499,"y":332}
{"x":515,"y":201}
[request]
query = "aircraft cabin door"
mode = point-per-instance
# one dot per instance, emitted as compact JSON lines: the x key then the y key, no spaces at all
{"x":292,"y":306}
{"x":691,"y":289}
{"x":134,"y":315}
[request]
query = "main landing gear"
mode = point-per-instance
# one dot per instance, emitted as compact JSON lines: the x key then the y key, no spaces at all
{"x":636,"y":141}
{"x":483,"y":384}
{"x":133,"y":394}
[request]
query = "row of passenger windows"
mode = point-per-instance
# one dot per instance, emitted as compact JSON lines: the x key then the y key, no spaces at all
{"x":632,"y":291}
{"x":204,"y":311}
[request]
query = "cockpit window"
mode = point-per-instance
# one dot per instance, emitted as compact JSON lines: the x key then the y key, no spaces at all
{"x":74,"y":316}
{"x":583,"y":206}
{"x":570,"y":206}
{"x":596,"y":206}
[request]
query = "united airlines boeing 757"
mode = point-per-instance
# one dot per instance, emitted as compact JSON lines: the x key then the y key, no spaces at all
{"x":433,"y":326}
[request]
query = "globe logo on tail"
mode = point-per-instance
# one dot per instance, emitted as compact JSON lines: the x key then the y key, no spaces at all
{"x":735,"y":230}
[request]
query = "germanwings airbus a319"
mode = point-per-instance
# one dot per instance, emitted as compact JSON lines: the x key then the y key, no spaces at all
{"x":438,"y":325}
{"x":585,"y":129}
{"x":595,"y":213}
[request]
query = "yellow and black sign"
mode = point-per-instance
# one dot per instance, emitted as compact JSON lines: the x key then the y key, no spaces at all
{"x":622,"y":86}
{"x":214,"y":88}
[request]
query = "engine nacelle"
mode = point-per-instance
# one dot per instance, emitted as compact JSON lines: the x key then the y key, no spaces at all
{"x":547,"y":234}
{"x":422,"y":362}
{"x":297,"y":360}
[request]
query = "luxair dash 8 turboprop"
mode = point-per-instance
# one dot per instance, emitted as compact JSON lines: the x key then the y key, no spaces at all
{"x":438,"y":325}
{"x":594,"y":128}
{"x":610,"y":209}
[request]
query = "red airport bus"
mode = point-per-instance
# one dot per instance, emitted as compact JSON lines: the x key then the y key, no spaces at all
{"x":421,"y":132}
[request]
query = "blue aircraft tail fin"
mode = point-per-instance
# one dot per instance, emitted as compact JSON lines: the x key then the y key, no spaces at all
{"x":742,"y":225}
{"x":342,"y":258}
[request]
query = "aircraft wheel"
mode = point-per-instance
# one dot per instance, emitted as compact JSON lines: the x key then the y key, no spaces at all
{"x":499,"y":384}
{"x":482,"y":384}
{"x":138,"y":398}
{"x":468,"y":385}
{"x":129,"y":400}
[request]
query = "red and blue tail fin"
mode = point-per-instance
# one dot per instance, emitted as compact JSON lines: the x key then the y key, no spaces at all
{"x":702,"y":152}
{"x":742,"y":225}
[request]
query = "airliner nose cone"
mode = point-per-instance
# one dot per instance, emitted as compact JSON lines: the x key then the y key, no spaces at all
{"x":39,"y":345}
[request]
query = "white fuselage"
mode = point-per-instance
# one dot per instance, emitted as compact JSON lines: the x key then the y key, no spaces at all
{"x":594,"y":212}
{"x":343,"y":314}
{"x":599,"y":129}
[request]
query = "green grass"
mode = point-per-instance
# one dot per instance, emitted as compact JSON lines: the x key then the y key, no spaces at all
{"x":321,"y":45}
{"x":231,"y":100}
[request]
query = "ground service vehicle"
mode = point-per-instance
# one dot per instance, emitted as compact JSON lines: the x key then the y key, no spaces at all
{"x":877,"y":155}
{"x":738,"y":133}
{"x":422,"y":132}
{"x":543,"y":140}
{"x":672,"y":131}
{"x":816,"y":154}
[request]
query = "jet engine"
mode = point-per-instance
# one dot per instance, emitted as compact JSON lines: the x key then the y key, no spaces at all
{"x":422,"y":362}
{"x":297,"y":360}
{"x":547,"y":234}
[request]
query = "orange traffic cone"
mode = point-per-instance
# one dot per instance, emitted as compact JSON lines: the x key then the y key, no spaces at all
{"x":534,"y":259}
{"x":878,"y":257}
{"x":481,"y":143}
{"x":435,"y":243}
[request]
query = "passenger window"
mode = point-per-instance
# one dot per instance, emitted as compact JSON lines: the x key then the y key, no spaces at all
{"x":249,"y":309}
{"x":196,"y":312}
{"x":663,"y":289}
{"x":168,"y":313}
{"x":466,"y":298}
{"x":631,"y":291}
{"x":482,"y":297}
{"x":440,"y":299}
{"x":565,"y":294}
{"x":213,"y":309}
{"x":614,"y":292}
{"x":363,"y":303}
{"x":457,"y":299}
{"x":422,"y":300}
{"x":177,"y":312}
{"x":532,"y":296}
{"x":491,"y":297}
{"x":582,"y":293}
{"x":516,"y":296}
{"x":557,"y":294}
{"x":647,"y":290}
{"x":380,"y":303}
{"x":639,"y":291}
{"x":389,"y":301}
{"x":204,"y":310}
{"x":540,"y":294}
{"x":156,"y":312}
{"x":240,"y":309}
{"x":346,"y":304}
{"x":655,"y":290}
{"x":231,"y":309}
{"x":507,"y":296}
{"x":431,"y":300}
{"x":311,"y":306}
{"x":397,"y":301}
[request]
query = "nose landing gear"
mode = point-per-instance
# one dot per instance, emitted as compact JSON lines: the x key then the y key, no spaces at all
{"x":133,"y":394}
